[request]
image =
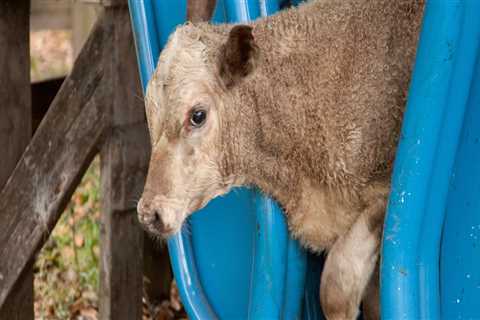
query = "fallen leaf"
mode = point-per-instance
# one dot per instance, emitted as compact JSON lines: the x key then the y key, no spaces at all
{"x":71,"y":276}
{"x":96,"y":251}
{"x":67,"y":253}
{"x":89,"y":312}
{"x":175,"y":297}
{"x":79,"y":240}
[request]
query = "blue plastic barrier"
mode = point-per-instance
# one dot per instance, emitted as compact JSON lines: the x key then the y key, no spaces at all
{"x":430,"y":260}
{"x":238,"y":244}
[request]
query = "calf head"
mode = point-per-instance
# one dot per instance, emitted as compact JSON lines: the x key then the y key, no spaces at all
{"x":185,"y":106}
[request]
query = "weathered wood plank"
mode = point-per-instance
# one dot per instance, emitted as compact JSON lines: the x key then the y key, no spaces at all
{"x":55,"y":160}
{"x":124,"y":159}
{"x":15,"y":104}
{"x":15,"y":124}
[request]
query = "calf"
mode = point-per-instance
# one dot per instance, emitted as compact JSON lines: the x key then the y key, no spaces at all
{"x":306,"y":105}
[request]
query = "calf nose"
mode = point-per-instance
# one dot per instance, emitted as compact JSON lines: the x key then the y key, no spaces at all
{"x":151,"y":218}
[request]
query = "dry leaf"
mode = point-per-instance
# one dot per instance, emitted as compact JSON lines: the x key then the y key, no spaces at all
{"x":79,"y":240}
{"x":80,"y":213}
{"x":67,"y":252}
{"x":96,"y":251}
{"x":71,"y":276}
{"x":89,"y":295}
{"x":175,"y":297}
{"x":89,"y":312}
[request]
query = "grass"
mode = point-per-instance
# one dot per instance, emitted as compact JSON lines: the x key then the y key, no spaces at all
{"x":66,"y":270}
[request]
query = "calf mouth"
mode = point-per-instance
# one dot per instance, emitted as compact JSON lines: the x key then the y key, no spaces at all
{"x":158,"y":230}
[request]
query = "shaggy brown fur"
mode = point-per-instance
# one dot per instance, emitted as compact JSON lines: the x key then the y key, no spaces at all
{"x":305,"y":104}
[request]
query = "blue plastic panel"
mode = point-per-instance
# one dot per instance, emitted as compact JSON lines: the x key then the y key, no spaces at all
{"x":460,"y":256}
{"x":431,"y":132}
{"x":146,"y":37}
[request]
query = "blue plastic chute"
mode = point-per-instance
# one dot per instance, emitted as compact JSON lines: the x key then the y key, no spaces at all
{"x":430,"y":263}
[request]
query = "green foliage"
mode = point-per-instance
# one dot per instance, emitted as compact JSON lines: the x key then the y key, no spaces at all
{"x":66,"y":270}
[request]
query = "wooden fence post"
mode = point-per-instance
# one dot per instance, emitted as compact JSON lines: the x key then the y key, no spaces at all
{"x":15,"y":124}
{"x":124,"y":158}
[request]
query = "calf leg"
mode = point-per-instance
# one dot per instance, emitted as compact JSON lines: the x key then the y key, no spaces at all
{"x":350,"y":264}
{"x":371,"y":298}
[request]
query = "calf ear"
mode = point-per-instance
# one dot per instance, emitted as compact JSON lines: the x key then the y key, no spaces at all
{"x":200,"y":10}
{"x":238,"y":55}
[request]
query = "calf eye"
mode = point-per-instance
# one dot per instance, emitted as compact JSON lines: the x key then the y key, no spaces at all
{"x":198,"y":117}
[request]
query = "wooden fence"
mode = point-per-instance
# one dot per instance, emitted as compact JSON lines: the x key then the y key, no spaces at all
{"x":96,"y":111}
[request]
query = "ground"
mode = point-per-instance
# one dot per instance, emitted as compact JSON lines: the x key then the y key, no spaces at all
{"x":66,"y":269}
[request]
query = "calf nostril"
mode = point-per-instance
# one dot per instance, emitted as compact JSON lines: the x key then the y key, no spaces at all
{"x":152,"y":220}
{"x":157,"y":221}
{"x":156,"y":216}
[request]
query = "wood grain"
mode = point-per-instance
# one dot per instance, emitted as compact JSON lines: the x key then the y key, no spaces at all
{"x":124,"y":158}
{"x":15,"y":125}
{"x":55,"y":160}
